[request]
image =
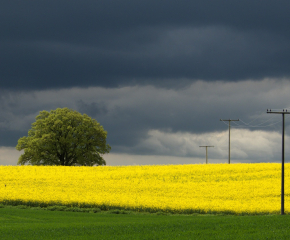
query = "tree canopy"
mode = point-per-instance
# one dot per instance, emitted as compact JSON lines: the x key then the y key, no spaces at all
{"x":64,"y":137}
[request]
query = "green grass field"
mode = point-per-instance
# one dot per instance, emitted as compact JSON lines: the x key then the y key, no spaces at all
{"x":42,"y":224}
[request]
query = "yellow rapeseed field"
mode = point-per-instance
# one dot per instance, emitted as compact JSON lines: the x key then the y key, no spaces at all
{"x":211,"y":188}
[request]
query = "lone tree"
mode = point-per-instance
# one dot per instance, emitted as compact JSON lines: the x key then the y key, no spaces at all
{"x":64,"y":137}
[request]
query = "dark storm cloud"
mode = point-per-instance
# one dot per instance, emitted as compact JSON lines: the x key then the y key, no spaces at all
{"x":11,"y":137}
{"x":93,"y":108}
{"x":52,"y":44}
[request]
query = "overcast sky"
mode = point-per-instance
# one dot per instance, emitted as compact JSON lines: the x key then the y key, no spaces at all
{"x":157,"y":75}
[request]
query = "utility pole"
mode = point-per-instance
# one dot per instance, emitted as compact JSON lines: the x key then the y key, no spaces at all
{"x":229,"y":120}
{"x":206,"y":151}
{"x":283,"y":153}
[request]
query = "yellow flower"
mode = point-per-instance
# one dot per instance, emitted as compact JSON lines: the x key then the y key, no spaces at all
{"x":234,"y":188}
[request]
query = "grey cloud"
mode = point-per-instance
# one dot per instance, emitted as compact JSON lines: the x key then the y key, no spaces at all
{"x":246,"y":145}
{"x":147,"y":120}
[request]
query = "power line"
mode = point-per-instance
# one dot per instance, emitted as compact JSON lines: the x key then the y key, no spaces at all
{"x":257,"y":117}
{"x":260,"y":125}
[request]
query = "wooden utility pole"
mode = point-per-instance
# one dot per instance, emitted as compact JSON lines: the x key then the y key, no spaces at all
{"x":229,"y":120}
{"x":206,"y":152}
{"x":283,"y":154}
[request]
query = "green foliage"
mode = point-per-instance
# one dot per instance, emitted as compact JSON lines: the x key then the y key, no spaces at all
{"x":64,"y":137}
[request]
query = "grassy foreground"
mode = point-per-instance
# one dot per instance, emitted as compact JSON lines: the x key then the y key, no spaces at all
{"x":42,"y":224}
